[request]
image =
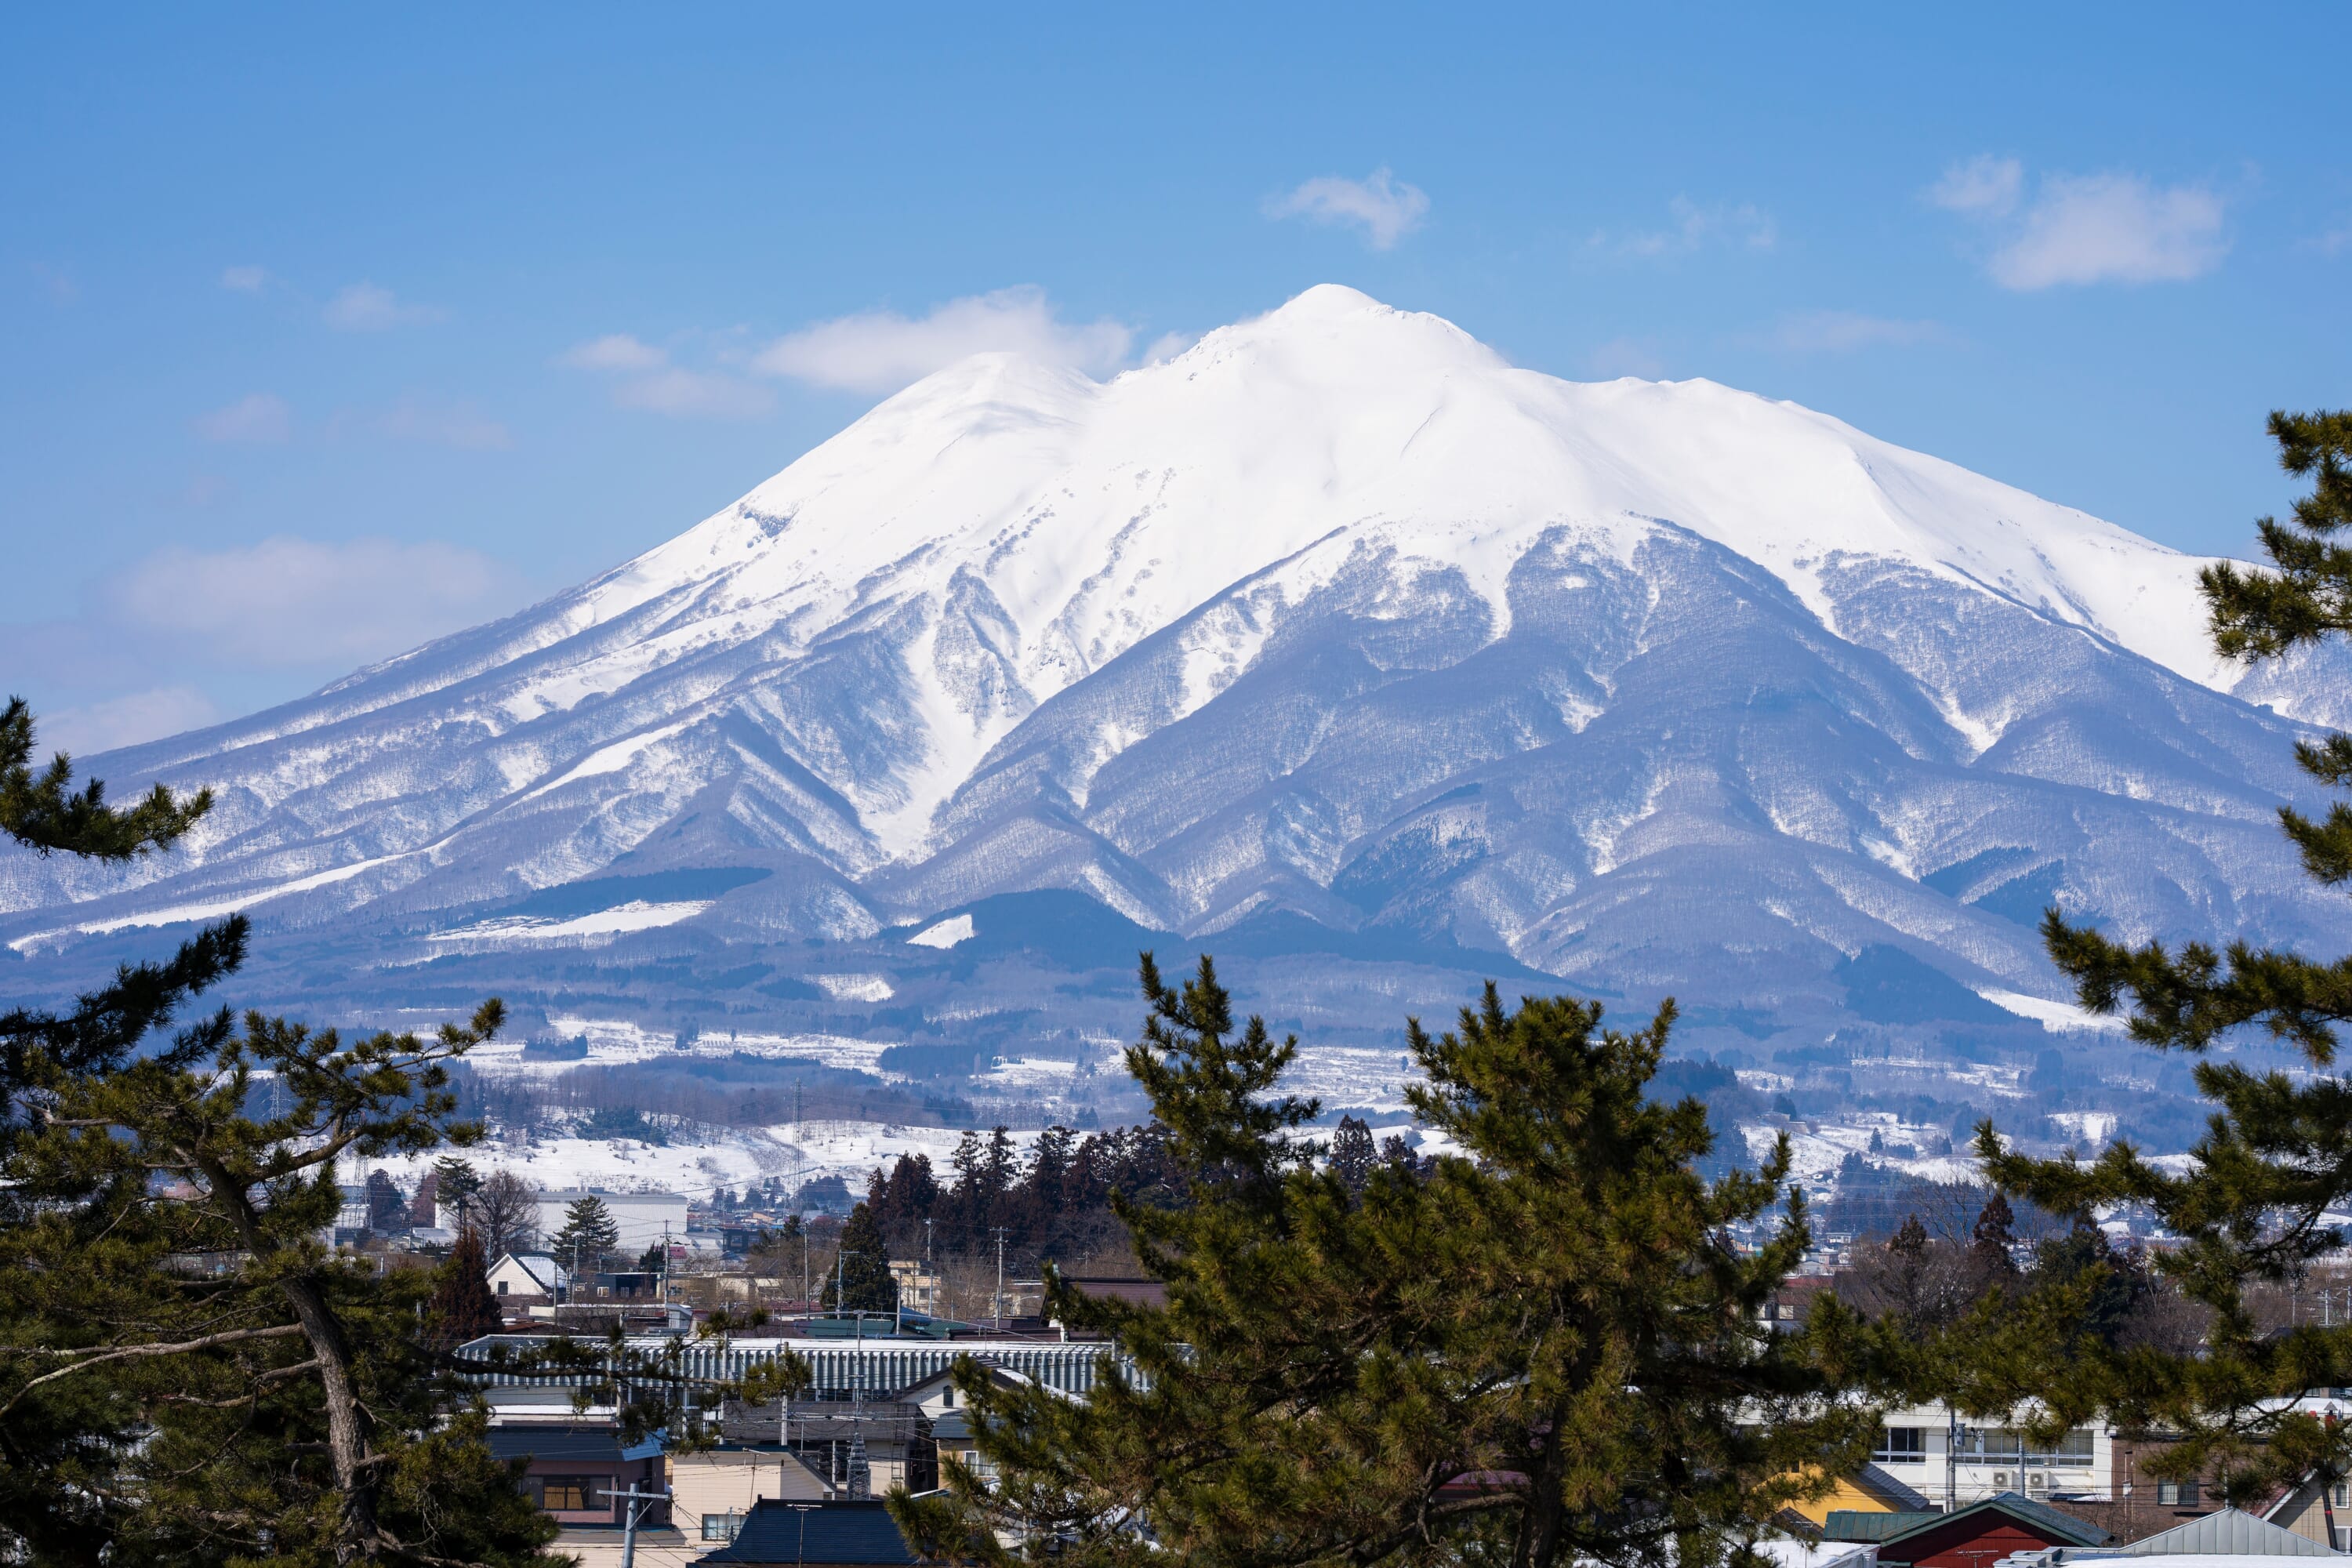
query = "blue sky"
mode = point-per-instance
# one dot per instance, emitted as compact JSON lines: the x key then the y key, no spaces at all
{"x":329,"y":329}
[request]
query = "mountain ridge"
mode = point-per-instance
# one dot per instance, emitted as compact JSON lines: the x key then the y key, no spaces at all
{"x":1645,"y":685}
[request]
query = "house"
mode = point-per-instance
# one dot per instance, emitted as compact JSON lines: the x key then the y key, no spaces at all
{"x":1870,"y":1489}
{"x":712,"y":1491}
{"x":640,"y":1217}
{"x":2304,"y":1510}
{"x":1973,"y":1537}
{"x":531,"y":1276}
{"x":781,"y":1534}
{"x":576,"y":1468}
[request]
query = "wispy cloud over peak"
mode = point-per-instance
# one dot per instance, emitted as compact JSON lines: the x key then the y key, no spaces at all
{"x":1384,"y":208}
{"x":1738,"y":226}
{"x":643,"y":376}
{"x":882,"y":351}
{"x":2115,"y":228}
{"x":246,"y":279}
{"x":615,"y":351}
{"x":1846,"y":331}
{"x":1984,"y":186}
{"x":368,"y":307}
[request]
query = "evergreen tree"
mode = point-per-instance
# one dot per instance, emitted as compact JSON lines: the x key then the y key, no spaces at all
{"x":2276,"y":1158}
{"x":463,"y":1306}
{"x":861,"y":1281}
{"x":456,"y":1185}
{"x":1543,"y":1350}
{"x":588,"y":1235}
{"x":284,"y":1408}
{"x":1352,"y":1156}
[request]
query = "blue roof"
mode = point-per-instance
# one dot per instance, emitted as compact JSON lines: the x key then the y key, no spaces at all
{"x":837,"y":1532}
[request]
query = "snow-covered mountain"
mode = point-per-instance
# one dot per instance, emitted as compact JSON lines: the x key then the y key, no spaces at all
{"x":1335,"y":633}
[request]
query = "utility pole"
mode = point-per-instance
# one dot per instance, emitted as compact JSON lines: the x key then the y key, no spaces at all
{"x":664,"y":1272}
{"x":803,"y":1509}
{"x":861,"y":1474}
{"x":1000,"y":1278}
{"x":638,"y":1501}
{"x":805,"y":1260}
{"x":1951,"y":1456}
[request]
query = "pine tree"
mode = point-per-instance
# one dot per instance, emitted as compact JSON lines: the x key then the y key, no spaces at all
{"x":1544,"y":1349}
{"x":1353,"y":1155}
{"x":463,"y":1307}
{"x":282,"y":1405}
{"x":862,"y":1281}
{"x":2276,"y":1158}
{"x":588,"y":1235}
{"x":456,"y":1185}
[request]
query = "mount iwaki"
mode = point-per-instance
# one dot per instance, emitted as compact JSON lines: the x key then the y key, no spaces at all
{"x":1335,"y":646}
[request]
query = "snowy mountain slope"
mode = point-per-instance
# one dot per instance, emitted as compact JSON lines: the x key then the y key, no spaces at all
{"x":1335,"y":616}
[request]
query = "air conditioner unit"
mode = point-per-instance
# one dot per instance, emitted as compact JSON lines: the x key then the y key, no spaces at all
{"x":2000,"y":1481}
{"x":2036,"y":1483}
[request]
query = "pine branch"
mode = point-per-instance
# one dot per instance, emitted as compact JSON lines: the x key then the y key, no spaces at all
{"x":46,"y":813}
{"x":134,"y":1352}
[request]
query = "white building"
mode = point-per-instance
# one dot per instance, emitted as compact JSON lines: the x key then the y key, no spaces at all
{"x":528,"y":1274}
{"x":1958,"y":1462}
{"x":639,"y":1217}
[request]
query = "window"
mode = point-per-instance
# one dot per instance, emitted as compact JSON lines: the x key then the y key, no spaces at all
{"x":2176,"y":1494}
{"x":721,"y":1526}
{"x":565,"y":1494}
{"x":2008,"y":1445}
{"x":1901,"y":1446}
{"x":502,"y":1286}
{"x":2342,"y":1494}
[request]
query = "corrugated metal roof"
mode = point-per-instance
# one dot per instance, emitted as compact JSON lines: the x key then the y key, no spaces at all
{"x":1858,"y":1524}
{"x":1888,"y":1529}
{"x":2231,"y":1530}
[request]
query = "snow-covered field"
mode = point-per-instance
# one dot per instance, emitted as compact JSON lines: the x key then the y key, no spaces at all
{"x":795,"y":1152}
{"x":616,"y":1041}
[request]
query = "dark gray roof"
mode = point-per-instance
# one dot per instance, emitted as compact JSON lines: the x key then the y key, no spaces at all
{"x":823,"y":1420}
{"x":836,"y":1533}
{"x":1888,"y":1484}
{"x":555,"y":1443}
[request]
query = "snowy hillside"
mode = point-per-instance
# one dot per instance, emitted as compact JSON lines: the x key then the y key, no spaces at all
{"x":1336,"y":634}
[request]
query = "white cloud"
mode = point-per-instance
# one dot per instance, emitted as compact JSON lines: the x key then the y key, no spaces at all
{"x":2086,"y":228}
{"x":1844,"y":332}
{"x":645,"y":378}
{"x":445,"y":425}
{"x":1384,"y":208}
{"x":1695,"y":227}
{"x":244,"y":279}
{"x":289,"y":603}
{"x":258,"y":418}
{"x":366,"y":307}
{"x":126,"y":721}
{"x":615,"y":351}
{"x":1984,"y":186}
{"x":881,"y":350}
{"x":2113,"y":228}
